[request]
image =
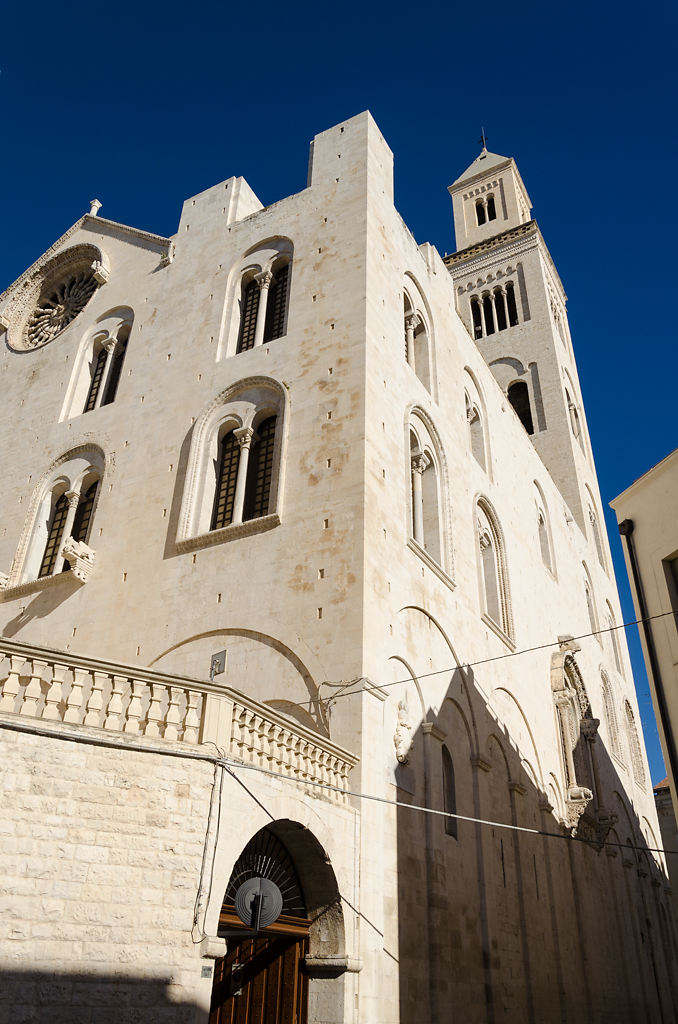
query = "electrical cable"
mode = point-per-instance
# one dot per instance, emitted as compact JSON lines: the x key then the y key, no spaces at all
{"x":475,"y":664}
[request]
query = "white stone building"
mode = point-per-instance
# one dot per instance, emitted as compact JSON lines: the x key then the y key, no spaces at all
{"x":294,"y":434}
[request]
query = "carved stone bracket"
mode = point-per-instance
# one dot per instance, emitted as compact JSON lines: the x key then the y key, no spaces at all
{"x":168,"y":255}
{"x":578,"y":799}
{"x":101,"y":271}
{"x":80,"y":558}
{"x":4,"y":580}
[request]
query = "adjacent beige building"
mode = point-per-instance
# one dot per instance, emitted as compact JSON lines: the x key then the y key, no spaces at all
{"x":647,"y":513}
{"x":295,"y":435}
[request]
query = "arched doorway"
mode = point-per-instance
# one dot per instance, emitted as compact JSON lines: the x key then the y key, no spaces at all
{"x":266,"y":977}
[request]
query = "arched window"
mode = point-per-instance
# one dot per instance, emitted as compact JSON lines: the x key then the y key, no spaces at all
{"x":595,"y":529}
{"x":427,"y":486}
{"x":244,"y":473}
{"x":417,"y":334}
{"x":492,"y":566}
{"x":575,"y":421}
{"x":511,"y":304}
{"x":98,"y":366}
{"x":500,"y":309}
{"x":263,"y":285}
{"x":477,"y":317}
{"x":614,"y":639}
{"x":518,"y":395}
{"x":54,"y":537}
{"x":480,"y":212}
{"x":424,"y":491}
{"x":449,"y":793}
{"x":58,"y":526}
{"x":491,"y":209}
{"x":543,"y":539}
{"x":488,"y":314}
{"x":234,"y":471}
{"x":591,"y":604}
{"x":634,"y":745}
{"x":610,"y":715}
{"x":476,"y":433}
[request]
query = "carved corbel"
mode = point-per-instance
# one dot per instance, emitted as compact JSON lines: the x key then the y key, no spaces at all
{"x":4,"y":581}
{"x":101,"y":271}
{"x":80,"y":557}
{"x":168,"y":255}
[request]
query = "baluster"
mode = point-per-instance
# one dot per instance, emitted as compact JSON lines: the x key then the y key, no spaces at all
{"x":113,"y":719}
{"x":295,"y":751}
{"x":192,"y":720}
{"x":55,"y":693}
{"x":10,"y":689}
{"x":285,"y":752}
{"x":248,"y":734}
{"x":154,"y":714}
{"x":270,"y":745}
{"x":275,"y":746}
{"x":173,"y":716}
{"x":34,"y":689}
{"x":74,"y":702}
{"x":95,"y":703}
{"x":133,"y":716}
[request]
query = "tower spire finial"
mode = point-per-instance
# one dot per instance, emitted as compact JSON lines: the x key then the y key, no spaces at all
{"x":483,"y":140}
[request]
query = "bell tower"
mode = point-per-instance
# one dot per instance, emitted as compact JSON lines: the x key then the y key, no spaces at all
{"x":509,"y":295}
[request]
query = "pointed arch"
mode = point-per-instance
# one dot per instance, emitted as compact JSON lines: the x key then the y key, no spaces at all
{"x":493,"y":570}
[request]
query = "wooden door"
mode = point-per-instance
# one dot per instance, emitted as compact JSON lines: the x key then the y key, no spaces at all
{"x":260,"y":981}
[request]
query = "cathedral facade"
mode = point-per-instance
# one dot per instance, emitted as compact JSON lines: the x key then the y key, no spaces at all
{"x":314,"y":704}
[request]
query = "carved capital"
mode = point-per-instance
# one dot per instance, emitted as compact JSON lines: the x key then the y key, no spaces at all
{"x":111,"y":344}
{"x":412,"y":321}
{"x":244,"y":436}
{"x":80,"y":557}
{"x":264,"y":279}
{"x":73,"y":499}
{"x":589,"y":727}
{"x":420,"y":462}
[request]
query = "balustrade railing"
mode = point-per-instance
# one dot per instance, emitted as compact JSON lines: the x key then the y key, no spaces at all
{"x":57,"y":686}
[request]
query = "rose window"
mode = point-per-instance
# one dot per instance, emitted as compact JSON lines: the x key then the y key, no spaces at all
{"x":59,"y":308}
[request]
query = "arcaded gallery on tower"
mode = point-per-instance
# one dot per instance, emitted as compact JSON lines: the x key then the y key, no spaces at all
{"x":360,"y":475}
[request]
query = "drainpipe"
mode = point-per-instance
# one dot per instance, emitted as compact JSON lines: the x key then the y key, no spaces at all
{"x":626,"y":530}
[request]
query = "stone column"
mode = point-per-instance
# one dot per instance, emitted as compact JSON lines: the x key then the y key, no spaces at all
{"x":264,"y":281}
{"x":245,"y":437}
{"x":419,"y":464}
{"x":412,"y":321}
{"x":73,"y":499}
{"x":111,"y":346}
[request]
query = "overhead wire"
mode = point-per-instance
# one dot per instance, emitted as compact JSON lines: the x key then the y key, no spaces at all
{"x":475,"y":664}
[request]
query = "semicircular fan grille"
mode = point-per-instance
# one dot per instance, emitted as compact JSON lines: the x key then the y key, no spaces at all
{"x":266,"y":857}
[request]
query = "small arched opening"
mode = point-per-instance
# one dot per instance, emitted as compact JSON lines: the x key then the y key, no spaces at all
{"x":289,"y":969}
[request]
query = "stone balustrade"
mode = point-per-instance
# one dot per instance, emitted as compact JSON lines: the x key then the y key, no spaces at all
{"x":57,"y":686}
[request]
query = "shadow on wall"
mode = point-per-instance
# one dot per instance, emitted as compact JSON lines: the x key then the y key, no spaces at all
{"x":47,"y":997}
{"x":515,"y":926}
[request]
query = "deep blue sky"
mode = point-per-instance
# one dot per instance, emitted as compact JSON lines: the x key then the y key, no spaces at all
{"x":143,"y":105}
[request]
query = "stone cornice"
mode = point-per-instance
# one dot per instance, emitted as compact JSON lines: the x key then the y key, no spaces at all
{"x":508,"y":244}
{"x":86,"y":221}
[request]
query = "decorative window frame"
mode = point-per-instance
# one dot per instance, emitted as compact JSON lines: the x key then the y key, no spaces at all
{"x":505,"y":629}
{"x":542,"y":510}
{"x":260,"y":261}
{"x":24,"y":295}
{"x":66,"y":474}
{"x":240,"y":406}
{"x":474,"y":404}
{"x":419,"y":315}
{"x":103,"y":332}
{"x":429,"y":446}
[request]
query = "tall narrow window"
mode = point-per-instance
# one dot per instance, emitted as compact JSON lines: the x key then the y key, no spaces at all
{"x":493,"y":576}
{"x":634,"y":746}
{"x":277,"y":305}
{"x":519,"y":397}
{"x":99,"y":365}
{"x":591,"y":608}
{"x":511,"y":304}
{"x":480,"y":212}
{"x":614,"y":639}
{"x":489,"y":315}
{"x":259,"y":471}
{"x":54,"y":537}
{"x":610,"y":715}
{"x":116,"y":369}
{"x":249,"y":307}
{"x":83,"y":514}
{"x":227,"y":475}
{"x":543,"y":540}
{"x":475,"y":427}
{"x":500,"y":308}
{"x":449,"y":793}
{"x":597,"y":537}
{"x":491,"y":209}
{"x":477,"y":317}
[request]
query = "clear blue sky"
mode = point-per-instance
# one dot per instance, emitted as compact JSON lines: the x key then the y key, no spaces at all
{"x":143,"y":105}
